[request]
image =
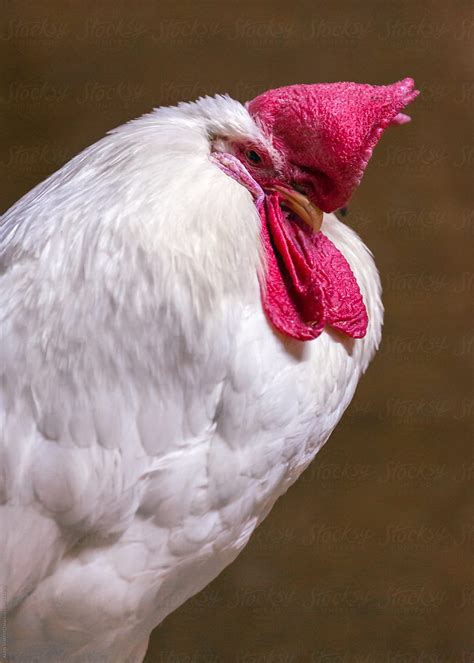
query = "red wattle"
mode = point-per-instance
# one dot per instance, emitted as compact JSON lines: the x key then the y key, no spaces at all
{"x":309,"y":284}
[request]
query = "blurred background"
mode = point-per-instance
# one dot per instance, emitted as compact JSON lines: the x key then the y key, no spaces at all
{"x":368,"y":558}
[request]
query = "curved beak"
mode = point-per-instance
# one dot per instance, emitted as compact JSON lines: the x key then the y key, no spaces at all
{"x":301,"y":206}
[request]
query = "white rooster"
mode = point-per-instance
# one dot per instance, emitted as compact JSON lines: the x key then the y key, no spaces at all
{"x":179,"y":336}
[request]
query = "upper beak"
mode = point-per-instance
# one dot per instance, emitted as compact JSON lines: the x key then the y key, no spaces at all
{"x":302,"y":207}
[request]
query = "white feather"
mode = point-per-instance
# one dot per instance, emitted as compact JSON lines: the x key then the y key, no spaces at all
{"x":150,"y":416}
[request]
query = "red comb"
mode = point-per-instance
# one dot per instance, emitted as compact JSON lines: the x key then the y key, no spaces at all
{"x":331,"y":129}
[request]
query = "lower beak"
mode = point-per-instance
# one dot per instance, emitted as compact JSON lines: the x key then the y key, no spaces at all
{"x":302,"y":207}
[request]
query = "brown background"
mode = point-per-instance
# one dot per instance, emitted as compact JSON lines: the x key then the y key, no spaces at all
{"x":367,"y":558}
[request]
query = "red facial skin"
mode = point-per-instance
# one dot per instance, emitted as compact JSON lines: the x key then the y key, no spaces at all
{"x":268,"y":174}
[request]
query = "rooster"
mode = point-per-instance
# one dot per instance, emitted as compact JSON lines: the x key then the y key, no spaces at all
{"x":183,"y":324}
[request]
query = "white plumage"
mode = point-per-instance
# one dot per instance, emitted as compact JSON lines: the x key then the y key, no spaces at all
{"x":150,"y":415}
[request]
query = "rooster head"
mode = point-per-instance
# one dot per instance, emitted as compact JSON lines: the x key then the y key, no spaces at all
{"x":314,"y":145}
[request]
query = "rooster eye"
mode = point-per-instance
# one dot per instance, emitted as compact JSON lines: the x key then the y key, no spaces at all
{"x":253,"y":157}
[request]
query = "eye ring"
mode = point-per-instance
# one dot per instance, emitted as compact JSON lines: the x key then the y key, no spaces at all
{"x":253,"y":157}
